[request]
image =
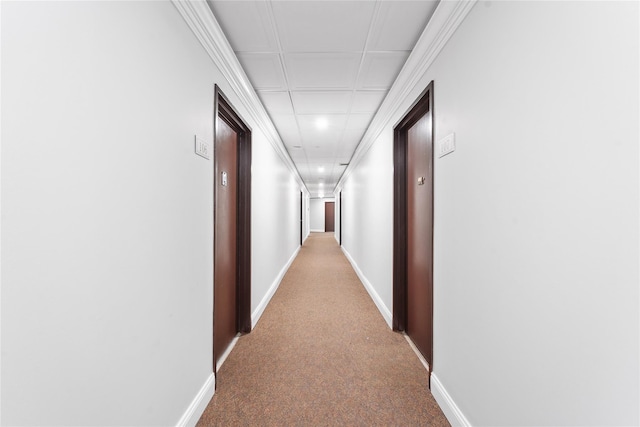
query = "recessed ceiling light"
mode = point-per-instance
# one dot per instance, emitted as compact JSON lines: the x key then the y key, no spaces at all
{"x":321,"y":184}
{"x":321,"y":195}
{"x":321,"y":169}
{"x":322,"y":123}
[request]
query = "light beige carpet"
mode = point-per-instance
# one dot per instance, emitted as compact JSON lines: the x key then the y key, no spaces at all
{"x":322,"y":354}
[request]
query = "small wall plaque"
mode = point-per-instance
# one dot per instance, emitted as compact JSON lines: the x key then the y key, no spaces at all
{"x":202,"y":148}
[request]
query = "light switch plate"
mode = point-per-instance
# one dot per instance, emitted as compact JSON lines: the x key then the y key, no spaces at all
{"x":447,"y":145}
{"x":202,"y":148}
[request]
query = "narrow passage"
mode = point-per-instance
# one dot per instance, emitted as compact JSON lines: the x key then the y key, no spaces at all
{"x":322,"y":354}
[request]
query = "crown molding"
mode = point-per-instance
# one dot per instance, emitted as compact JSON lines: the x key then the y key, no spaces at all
{"x":201,"y":21}
{"x":445,"y":20}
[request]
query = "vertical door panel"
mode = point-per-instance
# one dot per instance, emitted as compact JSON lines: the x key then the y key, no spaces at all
{"x":225,"y":251}
{"x":329,"y":216}
{"x":420,"y":235}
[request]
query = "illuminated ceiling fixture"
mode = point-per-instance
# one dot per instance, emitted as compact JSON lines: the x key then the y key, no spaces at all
{"x":322,"y":123}
{"x":321,"y":169}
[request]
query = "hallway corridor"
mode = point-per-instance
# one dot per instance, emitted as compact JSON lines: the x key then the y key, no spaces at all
{"x":322,"y":355}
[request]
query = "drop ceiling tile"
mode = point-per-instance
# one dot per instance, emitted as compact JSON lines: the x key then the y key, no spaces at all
{"x":322,"y":70}
{"x":359,"y":121}
{"x":264,"y":70}
{"x":334,"y":122}
{"x":327,"y":102}
{"x":351,"y":138}
{"x":297,"y":154}
{"x":399,"y":24}
{"x":287,"y":128}
{"x":276,"y":102}
{"x":367,"y":101}
{"x":285,"y":122}
{"x":323,"y":26}
{"x":319,"y":151}
{"x":246,"y":25}
{"x":291,"y":139}
{"x":327,"y":141}
{"x":379,"y":70}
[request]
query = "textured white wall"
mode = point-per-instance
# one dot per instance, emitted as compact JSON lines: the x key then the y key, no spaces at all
{"x":536,"y":214}
{"x":107,"y":213}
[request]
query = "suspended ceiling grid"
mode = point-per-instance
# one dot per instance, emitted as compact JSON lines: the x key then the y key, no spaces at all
{"x":322,"y":69}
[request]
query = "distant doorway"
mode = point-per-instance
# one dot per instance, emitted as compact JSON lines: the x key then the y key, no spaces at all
{"x":413,"y":225}
{"x":329,"y":216}
{"x":232,"y":226}
{"x":301,"y":217}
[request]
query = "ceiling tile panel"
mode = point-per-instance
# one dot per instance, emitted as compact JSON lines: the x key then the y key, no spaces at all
{"x":297,"y":154}
{"x":367,"y":101}
{"x":381,"y":69}
{"x":319,"y":151}
{"x":287,"y":128}
{"x":323,"y":26}
{"x":246,"y":25}
{"x":351,"y":138}
{"x":333,"y":122}
{"x":307,"y":60}
{"x":285,"y":122}
{"x":400,"y":24}
{"x":264,"y":70}
{"x":321,"y":102}
{"x":327,"y":141}
{"x":359,"y":121}
{"x":322,"y":71}
{"x":276,"y":102}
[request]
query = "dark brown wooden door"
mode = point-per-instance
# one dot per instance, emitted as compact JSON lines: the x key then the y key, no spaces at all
{"x":420,"y":235}
{"x":329,"y":216}
{"x":225,"y":251}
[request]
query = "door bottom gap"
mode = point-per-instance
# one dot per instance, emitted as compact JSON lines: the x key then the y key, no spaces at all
{"x":226,"y":352}
{"x":417,"y":352}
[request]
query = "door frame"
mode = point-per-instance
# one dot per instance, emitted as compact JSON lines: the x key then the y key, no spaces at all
{"x":224,"y":110}
{"x":340,"y":217}
{"x":421,"y":107}
{"x":333,"y":214}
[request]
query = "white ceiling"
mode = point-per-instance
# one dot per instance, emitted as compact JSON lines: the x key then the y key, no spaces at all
{"x":326,"y":60}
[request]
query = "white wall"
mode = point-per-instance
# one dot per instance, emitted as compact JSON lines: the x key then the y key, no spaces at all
{"x":107,"y":214}
{"x":536,"y":214}
{"x":275,"y":223}
{"x":316,"y":213}
{"x":306,"y":217}
{"x":367,"y":215}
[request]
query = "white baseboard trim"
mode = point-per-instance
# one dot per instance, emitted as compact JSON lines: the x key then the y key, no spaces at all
{"x":226,"y":353}
{"x":257,"y":313}
{"x":199,"y":404}
{"x":448,"y":406}
{"x":384,"y":310}
{"x":317,"y":231}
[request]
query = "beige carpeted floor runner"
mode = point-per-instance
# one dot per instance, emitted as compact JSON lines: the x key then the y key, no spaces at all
{"x":322,"y":354}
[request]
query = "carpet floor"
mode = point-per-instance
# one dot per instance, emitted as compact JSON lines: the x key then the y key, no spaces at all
{"x":322,"y":355}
